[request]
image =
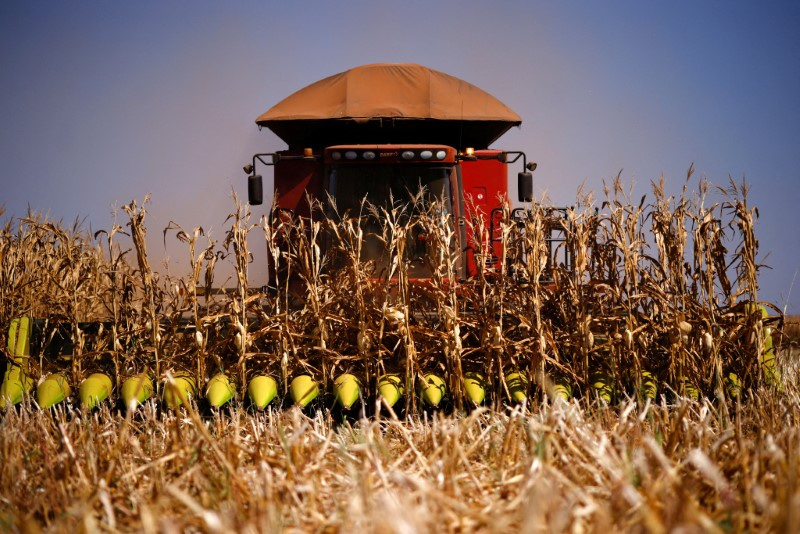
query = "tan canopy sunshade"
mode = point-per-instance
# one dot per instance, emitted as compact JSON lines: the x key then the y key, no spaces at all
{"x":390,"y":103}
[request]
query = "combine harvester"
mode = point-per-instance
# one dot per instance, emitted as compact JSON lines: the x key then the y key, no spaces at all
{"x":377,"y":132}
{"x":381,"y":133}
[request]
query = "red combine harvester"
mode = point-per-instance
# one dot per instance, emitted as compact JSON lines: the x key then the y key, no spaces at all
{"x":386,"y":136}
{"x":400,"y":147}
{"x":380,"y":132}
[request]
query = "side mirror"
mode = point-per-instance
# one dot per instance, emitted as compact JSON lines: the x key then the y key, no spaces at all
{"x":525,"y":186}
{"x":255,"y":190}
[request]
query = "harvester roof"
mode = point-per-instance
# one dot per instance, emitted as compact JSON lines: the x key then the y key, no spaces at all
{"x":390,"y":103}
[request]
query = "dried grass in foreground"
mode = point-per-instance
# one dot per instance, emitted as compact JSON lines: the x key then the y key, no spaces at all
{"x":698,"y":466}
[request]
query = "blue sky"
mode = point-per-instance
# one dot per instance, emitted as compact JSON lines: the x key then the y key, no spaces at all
{"x":104,"y":102}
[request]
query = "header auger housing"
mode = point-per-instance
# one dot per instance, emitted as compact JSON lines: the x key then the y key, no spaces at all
{"x":348,"y":392}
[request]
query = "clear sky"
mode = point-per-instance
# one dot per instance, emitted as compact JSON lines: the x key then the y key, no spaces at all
{"x":103,"y":102}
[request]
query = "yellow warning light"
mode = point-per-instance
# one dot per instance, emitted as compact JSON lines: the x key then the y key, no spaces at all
{"x":468,"y":154}
{"x":308,"y":153}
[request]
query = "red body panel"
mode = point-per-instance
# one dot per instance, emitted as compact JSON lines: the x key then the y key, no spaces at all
{"x":485,"y":187}
{"x":293,"y":179}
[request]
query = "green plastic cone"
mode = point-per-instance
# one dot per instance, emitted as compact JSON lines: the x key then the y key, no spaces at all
{"x":733,"y":385}
{"x":54,"y":389}
{"x":475,"y":387}
{"x":769,"y":365}
{"x":303,"y":390}
{"x":12,"y":336}
{"x":432,"y":390}
{"x":517,"y":384}
{"x":602,"y":384}
{"x":182,"y":385}
{"x":689,"y":389}
{"x":23,"y":341}
{"x":136,"y":390}
{"x":16,"y":384}
{"x":390,"y":387}
{"x":219,"y":390}
{"x":262,"y":390}
{"x":94,"y":390}
{"x":562,"y":388}
{"x":649,"y":385}
{"x":346,"y":390}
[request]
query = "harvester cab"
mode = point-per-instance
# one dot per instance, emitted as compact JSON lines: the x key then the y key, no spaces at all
{"x":373,"y":138}
{"x":367,"y":180}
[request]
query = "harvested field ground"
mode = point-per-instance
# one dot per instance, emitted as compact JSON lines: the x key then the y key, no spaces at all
{"x":695,"y":466}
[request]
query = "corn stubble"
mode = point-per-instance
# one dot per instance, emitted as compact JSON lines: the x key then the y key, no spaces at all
{"x":559,"y":467}
{"x":658,"y":304}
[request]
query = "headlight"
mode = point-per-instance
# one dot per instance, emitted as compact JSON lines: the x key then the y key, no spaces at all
{"x":369,"y":155}
{"x":350,"y":154}
{"x":407,"y":155}
{"x":426,"y":154}
{"x":336,"y":155}
{"x":441,"y":155}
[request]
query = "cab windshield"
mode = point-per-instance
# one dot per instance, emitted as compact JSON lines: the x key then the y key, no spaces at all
{"x":382,"y":184}
{"x":354,"y":187}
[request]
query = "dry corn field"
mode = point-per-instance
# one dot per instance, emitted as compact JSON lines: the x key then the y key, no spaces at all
{"x":626,"y":377}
